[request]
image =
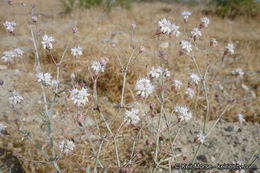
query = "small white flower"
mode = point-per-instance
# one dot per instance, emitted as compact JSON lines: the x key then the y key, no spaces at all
{"x":76,"y":51}
{"x":213,"y":42}
{"x":98,"y":67}
{"x":8,"y":57}
{"x":177,"y":84}
{"x":166,"y":72}
{"x":183,"y":113}
{"x":204,"y":22}
{"x":132,"y":116}
{"x":47,"y":42}
{"x":186,"y":15}
{"x":66,"y":146}
{"x":45,"y":78}
{"x":189,"y":93}
{"x":241,"y":118}
{"x":9,"y":26}
{"x":18,"y":52}
{"x":194,"y":78}
{"x":144,"y":87}
{"x":2,"y":127}
{"x":195,"y":33}
{"x":201,"y":137}
{"x":155,"y":73}
{"x":175,"y":30}
{"x":79,"y":97}
{"x":185,"y":46}
{"x":166,"y":27}
{"x":15,"y":98}
{"x":238,"y":72}
{"x":230,"y":48}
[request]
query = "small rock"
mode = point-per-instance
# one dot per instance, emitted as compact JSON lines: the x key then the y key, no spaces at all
{"x":229,"y":128}
{"x":220,"y":87}
{"x":213,"y":159}
{"x":244,"y":87}
{"x":252,"y":94}
{"x":202,"y":158}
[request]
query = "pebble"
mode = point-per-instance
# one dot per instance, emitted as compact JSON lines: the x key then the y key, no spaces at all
{"x":252,"y":94}
{"x":229,"y":128}
{"x":202,"y":158}
{"x":244,"y":87}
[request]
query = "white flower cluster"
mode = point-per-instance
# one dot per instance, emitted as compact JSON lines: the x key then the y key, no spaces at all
{"x":166,"y":27}
{"x":47,"y":42}
{"x":195,"y":33}
{"x":131,"y":117}
{"x":144,"y":87}
{"x":9,"y":56}
{"x":2,"y":127}
{"x":15,"y":98}
{"x":238,"y":72}
{"x":186,"y":15}
{"x":204,"y":22}
{"x":44,"y":78}
{"x":241,"y":118}
{"x":66,"y":146}
{"x":79,"y":97}
{"x":9,"y":26}
{"x":177,"y":84}
{"x":76,"y":51}
{"x":201,"y":137}
{"x":194,"y":78}
{"x":230,"y":48}
{"x":98,"y":66}
{"x":183,"y":113}
{"x":185,"y":46}
{"x":156,"y":72}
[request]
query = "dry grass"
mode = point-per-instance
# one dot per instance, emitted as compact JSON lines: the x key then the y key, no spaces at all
{"x":93,"y":27}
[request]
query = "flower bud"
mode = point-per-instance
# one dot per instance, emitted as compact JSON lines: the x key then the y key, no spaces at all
{"x":141,"y":49}
{"x":72,"y":76}
{"x":148,"y":142}
{"x":74,"y":30}
{"x":34,"y":19}
{"x":133,"y":25}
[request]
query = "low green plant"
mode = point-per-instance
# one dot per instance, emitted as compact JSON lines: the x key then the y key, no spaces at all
{"x":233,"y":8}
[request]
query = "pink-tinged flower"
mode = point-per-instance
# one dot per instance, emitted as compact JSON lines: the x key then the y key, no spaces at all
{"x":238,"y":72}
{"x":166,"y":27}
{"x":47,"y":42}
{"x":66,"y":146}
{"x":204,"y":22}
{"x":189,"y":93}
{"x":230,"y":48}
{"x":9,"y":26}
{"x":131,"y":117}
{"x":195,"y":33}
{"x":144,"y":88}
{"x":183,"y":113}
{"x":16,"y":98}
{"x":194,"y":79}
{"x":76,"y":51}
{"x":79,"y":97}
{"x":201,"y":137}
{"x":185,"y":46}
{"x":186,"y":15}
{"x":176,"y":84}
{"x":213,"y":42}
